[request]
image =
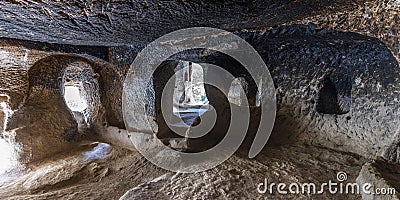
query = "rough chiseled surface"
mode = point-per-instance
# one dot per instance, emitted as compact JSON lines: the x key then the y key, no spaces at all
{"x":381,"y":175}
{"x":362,"y":75}
{"x":358,"y":73}
{"x":337,"y":90}
{"x":40,"y":124}
{"x":378,"y":19}
{"x":110,"y":173}
{"x":238,"y":177}
{"x":87,"y":171}
{"x":125,"y":22}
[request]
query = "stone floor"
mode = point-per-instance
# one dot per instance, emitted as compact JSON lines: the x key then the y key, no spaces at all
{"x":102,"y":171}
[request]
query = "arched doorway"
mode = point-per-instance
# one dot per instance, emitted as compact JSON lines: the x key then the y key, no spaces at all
{"x":44,"y":124}
{"x":81,"y":95}
{"x":190,"y":98}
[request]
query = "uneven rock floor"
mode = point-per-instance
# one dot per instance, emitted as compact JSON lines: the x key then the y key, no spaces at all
{"x":101,"y":171}
{"x":92,"y":171}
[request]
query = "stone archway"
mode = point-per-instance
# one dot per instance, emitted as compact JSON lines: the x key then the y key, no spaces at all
{"x":80,"y":77}
{"x":44,"y":125}
{"x":215,"y":97}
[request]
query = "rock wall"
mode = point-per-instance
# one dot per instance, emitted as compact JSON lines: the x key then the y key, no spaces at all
{"x":335,"y":89}
{"x":39,"y":123}
{"x":360,"y":74}
{"x":378,"y":19}
{"x":119,"y":23}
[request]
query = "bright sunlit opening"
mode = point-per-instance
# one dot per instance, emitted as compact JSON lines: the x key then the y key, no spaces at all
{"x":5,"y":148}
{"x":73,"y":98}
{"x":5,"y":156}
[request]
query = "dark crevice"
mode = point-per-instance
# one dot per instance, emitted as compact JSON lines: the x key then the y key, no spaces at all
{"x":101,"y":52}
{"x":330,"y":101}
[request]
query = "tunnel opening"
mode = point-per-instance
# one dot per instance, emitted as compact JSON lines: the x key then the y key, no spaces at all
{"x":187,"y":95}
{"x":53,"y":117}
{"x":189,"y":98}
{"x":75,"y":96}
{"x":80,"y":91}
{"x":76,"y":102}
{"x":192,"y":97}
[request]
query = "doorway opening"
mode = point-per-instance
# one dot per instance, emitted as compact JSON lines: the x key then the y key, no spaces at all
{"x":189,"y":98}
{"x":75,"y":96}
